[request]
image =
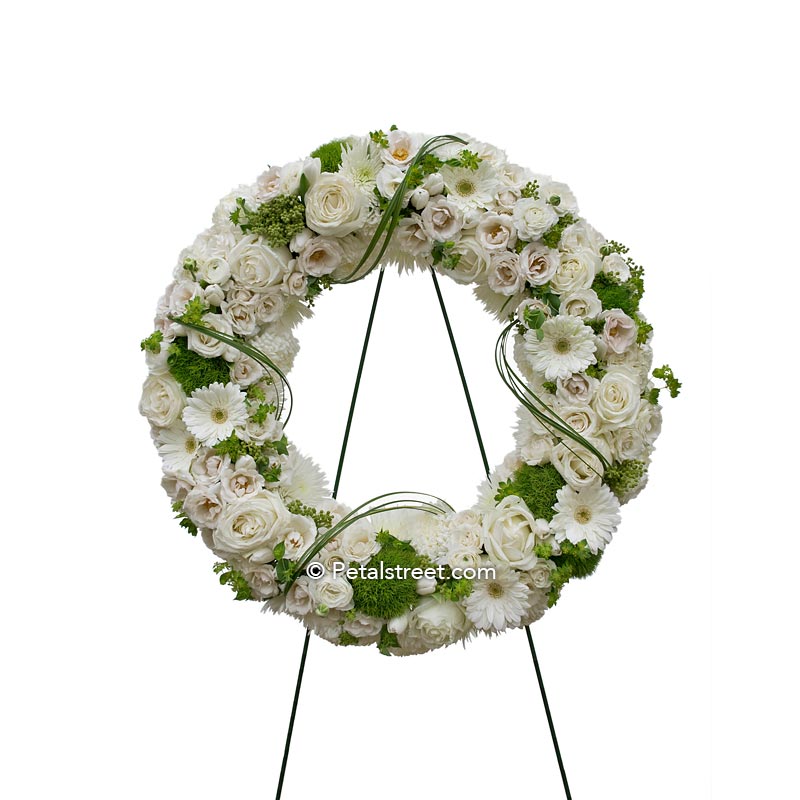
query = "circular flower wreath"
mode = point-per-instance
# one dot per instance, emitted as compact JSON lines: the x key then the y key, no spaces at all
{"x":405,"y":572}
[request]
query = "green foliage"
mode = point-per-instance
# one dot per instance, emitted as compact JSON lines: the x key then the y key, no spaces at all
{"x":185,"y":522}
{"x":315,"y":287}
{"x":263,"y":410}
{"x":537,"y":486}
{"x":624,"y":476}
{"x":613,"y":247}
{"x":614,"y":294}
{"x":234,"y":447}
{"x":594,"y":371}
{"x":190,"y":265}
{"x":550,"y":386}
{"x":543,"y":550}
{"x":193,"y":371}
{"x":277,"y":220}
{"x":330,"y":155}
{"x":322,"y":519}
{"x":388,"y":598}
{"x":387,"y":641}
{"x":346,"y":638}
{"x":552,"y":237}
{"x":575,"y":561}
{"x":645,"y":329}
{"x":531,"y":190}
{"x":534,"y":318}
{"x":233,"y":578}
{"x":455,"y":590}
{"x":443,"y":254}
{"x":380,"y":138}
{"x":469,"y":160}
{"x":666,"y":374}
{"x":193,"y":311}
{"x":554,"y":200}
{"x":153,"y":342}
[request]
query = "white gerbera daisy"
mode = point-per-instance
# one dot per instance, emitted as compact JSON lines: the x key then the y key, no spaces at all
{"x":567,"y":346}
{"x":470,"y":188}
{"x":499,"y":602}
{"x":591,"y":514}
{"x":361,"y":163}
{"x":177,"y":447}
{"x":213,"y":412}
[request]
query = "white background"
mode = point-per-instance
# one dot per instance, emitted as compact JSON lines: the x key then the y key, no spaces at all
{"x":127,"y":671}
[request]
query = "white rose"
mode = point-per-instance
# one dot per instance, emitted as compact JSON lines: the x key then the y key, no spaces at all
{"x":411,"y":237}
{"x":648,"y":421}
{"x":297,"y":535}
{"x":251,"y":527}
{"x":179,"y":294}
{"x":581,"y":236}
{"x":505,"y":276}
{"x":335,"y":206}
{"x":435,"y":623}
{"x":162,"y":400}
{"x":442,"y":220}
{"x":295,"y":283}
{"x":320,"y":256}
{"x":541,"y":573}
{"x":532,"y":304}
{"x":578,"y":466}
{"x":617,"y":399}
{"x":473,"y":263}
{"x":581,"y":418}
{"x":615,"y":264}
{"x":583,"y":303}
{"x":538,"y":263}
{"x":241,"y":317}
{"x":268,"y":184}
{"x":207,"y":345}
{"x":495,"y":232}
{"x":333,"y":592}
{"x":533,"y":218}
{"x":576,"y":270}
{"x":363,"y":626}
{"x":292,"y":173}
{"x":510,"y":533}
{"x":208,"y":466}
{"x":269,"y":305}
{"x":257,"y":266}
{"x":619,"y":332}
{"x":627,"y":444}
{"x":215,"y":270}
{"x":246,"y":371}
{"x":358,"y":543}
{"x":300,"y":598}
{"x":261,"y":578}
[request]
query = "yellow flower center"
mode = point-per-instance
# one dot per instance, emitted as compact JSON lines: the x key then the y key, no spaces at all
{"x":400,"y":153}
{"x":219,"y":415}
{"x":190,"y":444}
{"x":583,"y":514}
{"x":562,"y":346}
{"x":465,"y":188}
{"x":495,"y":590}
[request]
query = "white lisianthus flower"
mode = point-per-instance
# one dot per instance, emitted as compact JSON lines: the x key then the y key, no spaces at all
{"x":320,"y":256}
{"x":559,"y":196}
{"x":533,"y":218}
{"x":578,"y":465}
{"x":402,"y":148}
{"x":334,"y":206}
{"x":619,"y":332}
{"x":576,"y":271}
{"x":433,"y":623}
{"x":297,"y":535}
{"x":442,"y":220}
{"x":332,"y":593}
{"x":257,"y":266}
{"x":583,"y":303}
{"x":568,"y":346}
{"x":505,"y":276}
{"x":162,"y":400}
{"x":591,"y":514}
{"x":470,"y":188}
{"x":498,"y":603}
{"x":251,"y":527}
{"x":268,"y":184}
{"x":361,"y":163}
{"x":292,"y":174}
{"x":411,"y":243}
{"x":538,"y":263}
{"x":213,"y":412}
{"x":510,"y":533}
{"x":617,"y":398}
{"x":496,"y":233}
{"x":208,"y":466}
{"x":179,"y":294}
{"x":389,"y":179}
{"x":300,"y":599}
{"x":177,"y":447}
{"x":204,"y":505}
{"x":616,"y":265}
{"x":240,"y":480}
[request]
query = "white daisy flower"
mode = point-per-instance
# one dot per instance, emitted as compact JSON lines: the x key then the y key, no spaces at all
{"x":567,"y":346}
{"x":177,"y":447}
{"x":498,"y":603}
{"x":591,"y":514}
{"x":361,"y":164}
{"x":470,"y":188}
{"x":213,"y":412}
